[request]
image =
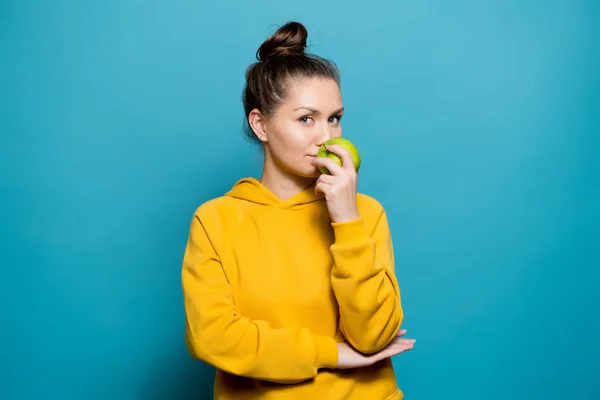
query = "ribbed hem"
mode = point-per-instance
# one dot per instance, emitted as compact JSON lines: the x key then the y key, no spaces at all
{"x":346,"y":232}
{"x":327,"y":352}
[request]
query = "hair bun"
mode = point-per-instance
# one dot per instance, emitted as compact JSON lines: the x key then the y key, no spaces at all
{"x":290,"y":39}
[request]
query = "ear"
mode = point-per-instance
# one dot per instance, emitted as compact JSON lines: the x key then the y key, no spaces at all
{"x":257,"y":122}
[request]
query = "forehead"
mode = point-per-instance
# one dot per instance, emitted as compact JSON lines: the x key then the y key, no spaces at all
{"x":319,"y":93}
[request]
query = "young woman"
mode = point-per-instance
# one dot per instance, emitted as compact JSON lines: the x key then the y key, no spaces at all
{"x":288,"y":281}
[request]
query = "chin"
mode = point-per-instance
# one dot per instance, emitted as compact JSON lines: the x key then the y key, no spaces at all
{"x":312,"y":175}
{"x":302,"y":169}
{"x":311,"y":172}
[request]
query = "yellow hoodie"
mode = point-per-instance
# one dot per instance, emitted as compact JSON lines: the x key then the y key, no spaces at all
{"x":270,"y":286}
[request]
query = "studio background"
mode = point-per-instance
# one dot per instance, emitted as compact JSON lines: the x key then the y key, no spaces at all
{"x":478,"y":126}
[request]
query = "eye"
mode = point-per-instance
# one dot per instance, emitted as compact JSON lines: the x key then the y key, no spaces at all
{"x":305,"y":120}
{"x":335,"y":119}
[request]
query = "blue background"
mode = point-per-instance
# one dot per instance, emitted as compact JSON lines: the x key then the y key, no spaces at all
{"x":478,"y":123}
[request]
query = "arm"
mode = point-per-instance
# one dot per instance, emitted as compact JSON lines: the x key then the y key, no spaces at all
{"x":218,"y":335}
{"x":365,"y":285}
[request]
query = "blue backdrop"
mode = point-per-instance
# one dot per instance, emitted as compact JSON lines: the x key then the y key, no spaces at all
{"x":479,"y":129}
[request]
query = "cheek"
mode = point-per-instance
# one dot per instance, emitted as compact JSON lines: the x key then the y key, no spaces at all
{"x":291,"y":140}
{"x":338,"y":131}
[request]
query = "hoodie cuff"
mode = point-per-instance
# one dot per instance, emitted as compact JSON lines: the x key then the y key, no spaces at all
{"x":346,"y":232}
{"x":327,"y":352}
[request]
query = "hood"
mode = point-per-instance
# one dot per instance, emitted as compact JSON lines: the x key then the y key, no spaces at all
{"x":252,"y":190}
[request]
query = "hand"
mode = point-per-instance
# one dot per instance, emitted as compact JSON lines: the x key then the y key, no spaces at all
{"x":339,"y":188}
{"x":348,"y":357}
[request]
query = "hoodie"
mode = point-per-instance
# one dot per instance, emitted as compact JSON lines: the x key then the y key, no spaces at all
{"x":271,"y":286}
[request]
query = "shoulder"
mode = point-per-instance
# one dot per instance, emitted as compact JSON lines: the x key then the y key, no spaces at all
{"x":370,"y":209}
{"x":223,"y":207}
{"x":369,"y":205}
{"x":213,"y":207}
{"x":216,"y":214}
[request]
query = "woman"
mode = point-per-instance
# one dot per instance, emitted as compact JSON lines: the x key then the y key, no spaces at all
{"x":288,"y":281}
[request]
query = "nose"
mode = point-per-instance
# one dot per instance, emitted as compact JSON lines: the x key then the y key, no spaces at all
{"x":323,"y":135}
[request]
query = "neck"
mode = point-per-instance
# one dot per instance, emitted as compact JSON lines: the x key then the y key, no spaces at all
{"x":282,"y":184}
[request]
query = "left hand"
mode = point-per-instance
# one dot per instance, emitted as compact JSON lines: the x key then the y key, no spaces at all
{"x":348,"y":357}
{"x":339,"y":188}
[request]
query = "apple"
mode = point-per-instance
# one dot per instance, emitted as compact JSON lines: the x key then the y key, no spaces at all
{"x":343,"y":142}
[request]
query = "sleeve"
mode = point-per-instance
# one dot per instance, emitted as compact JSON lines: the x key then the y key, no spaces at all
{"x":217,"y":334}
{"x":365,"y":285}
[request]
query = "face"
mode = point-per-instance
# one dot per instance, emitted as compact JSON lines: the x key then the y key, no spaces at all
{"x":308,"y":116}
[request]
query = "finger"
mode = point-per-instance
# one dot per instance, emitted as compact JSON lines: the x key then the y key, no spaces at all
{"x":404,"y":350}
{"x":347,"y":162}
{"x":398,"y":351}
{"x":322,"y":187}
{"x":396,"y":348}
{"x":403,"y":340}
{"x":401,"y":332}
{"x":328,"y":179}
{"x":328,"y":163}
{"x":403,"y":346}
{"x":392,"y":351}
{"x":398,"y":345}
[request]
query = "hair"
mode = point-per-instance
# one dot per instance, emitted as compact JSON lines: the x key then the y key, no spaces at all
{"x":281,"y":59}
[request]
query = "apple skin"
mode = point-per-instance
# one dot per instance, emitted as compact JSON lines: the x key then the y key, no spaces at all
{"x":343,"y":142}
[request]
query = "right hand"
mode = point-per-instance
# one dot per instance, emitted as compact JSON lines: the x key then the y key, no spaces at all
{"x":348,"y":357}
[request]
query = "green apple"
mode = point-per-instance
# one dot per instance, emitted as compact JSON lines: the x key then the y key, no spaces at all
{"x":343,"y":142}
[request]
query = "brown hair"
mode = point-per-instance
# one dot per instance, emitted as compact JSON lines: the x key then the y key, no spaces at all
{"x":281,"y":58}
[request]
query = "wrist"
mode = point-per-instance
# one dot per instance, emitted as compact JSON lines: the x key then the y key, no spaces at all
{"x":346,"y":232}
{"x":327,"y":352}
{"x":349,"y":217}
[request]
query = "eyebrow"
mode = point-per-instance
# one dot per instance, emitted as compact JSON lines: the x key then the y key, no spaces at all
{"x":315,"y":111}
